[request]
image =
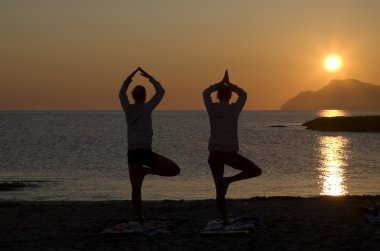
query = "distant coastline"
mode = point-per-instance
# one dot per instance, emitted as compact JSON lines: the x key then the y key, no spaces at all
{"x":347,"y":94}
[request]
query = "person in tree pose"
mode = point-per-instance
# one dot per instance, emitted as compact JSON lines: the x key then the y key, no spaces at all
{"x":141,"y":159}
{"x":223,"y":143}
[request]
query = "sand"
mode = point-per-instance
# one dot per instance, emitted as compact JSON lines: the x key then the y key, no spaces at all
{"x":289,"y":223}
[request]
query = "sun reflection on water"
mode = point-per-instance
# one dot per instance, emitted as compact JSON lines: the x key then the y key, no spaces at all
{"x":332,"y":113}
{"x":333,"y":164}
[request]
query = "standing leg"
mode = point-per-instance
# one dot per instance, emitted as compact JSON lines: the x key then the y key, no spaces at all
{"x":217,"y":169}
{"x":248,"y":169}
{"x":136,"y":176}
{"x":162,"y":166}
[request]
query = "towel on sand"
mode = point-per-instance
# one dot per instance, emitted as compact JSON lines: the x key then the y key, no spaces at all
{"x":371,"y":214}
{"x":372,"y":218}
{"x":152,"y":227}
{"x":241,"y":225}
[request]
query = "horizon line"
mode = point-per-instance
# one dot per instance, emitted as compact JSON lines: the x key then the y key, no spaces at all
{"x":159,"y":110}
{"x":113,"y":110}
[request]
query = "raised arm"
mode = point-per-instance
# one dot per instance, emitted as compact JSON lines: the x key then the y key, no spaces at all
{"x":212,"y":88}
{"x":242,"y":96}
{"x":207,"y":94}
{"x":159,"y":90}
{"x":123,"y":90}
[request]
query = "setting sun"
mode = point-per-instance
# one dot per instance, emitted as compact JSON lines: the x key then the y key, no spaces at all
{"x":333,"y":63}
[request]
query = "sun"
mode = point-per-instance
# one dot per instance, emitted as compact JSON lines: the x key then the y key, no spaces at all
{"x":333,"y":62}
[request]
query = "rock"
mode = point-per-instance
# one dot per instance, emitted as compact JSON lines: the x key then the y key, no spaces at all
{"x":350,"y":124}
{"x":10,"y":186}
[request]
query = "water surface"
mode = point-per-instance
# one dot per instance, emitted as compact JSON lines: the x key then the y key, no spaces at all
{"x":82,"y":156}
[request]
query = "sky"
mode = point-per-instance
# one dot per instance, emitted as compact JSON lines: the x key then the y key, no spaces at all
{"x":74,"y":55}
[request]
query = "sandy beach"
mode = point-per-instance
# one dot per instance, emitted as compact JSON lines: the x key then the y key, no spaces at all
{"x":288,"y":223}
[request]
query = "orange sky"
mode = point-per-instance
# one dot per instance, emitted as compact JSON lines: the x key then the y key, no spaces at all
{"x":74,"y":55}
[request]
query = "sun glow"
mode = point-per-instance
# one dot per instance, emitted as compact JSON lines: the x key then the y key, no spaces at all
{"x":334,"y":158}
{"x":332,"y":113}
{"x":333,"y":63}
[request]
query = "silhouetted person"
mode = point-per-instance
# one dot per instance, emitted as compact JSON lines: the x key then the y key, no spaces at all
{"x":141,"y":159}
{"x":223,"y":143}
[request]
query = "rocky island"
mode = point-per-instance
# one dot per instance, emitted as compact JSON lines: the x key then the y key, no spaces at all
{"x":348,"y":94}
{"x":349,"y":124}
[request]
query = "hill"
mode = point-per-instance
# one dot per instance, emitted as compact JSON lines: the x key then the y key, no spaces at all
{"x":348,"y":94}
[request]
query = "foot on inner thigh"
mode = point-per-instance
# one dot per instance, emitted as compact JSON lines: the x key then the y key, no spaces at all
{"x":146,"y":171}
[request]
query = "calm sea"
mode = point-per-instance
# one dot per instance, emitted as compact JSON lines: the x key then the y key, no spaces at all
{"x":82,"y":156}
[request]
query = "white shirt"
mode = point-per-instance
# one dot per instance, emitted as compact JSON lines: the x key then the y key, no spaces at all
{"x":224,"y":120}
{"x":139,"y":116}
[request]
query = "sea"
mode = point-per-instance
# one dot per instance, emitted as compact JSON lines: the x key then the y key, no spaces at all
{"x":82,"y":155}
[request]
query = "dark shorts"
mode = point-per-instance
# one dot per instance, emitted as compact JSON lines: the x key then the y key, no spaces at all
{"x":217,"y":160}
{"x":142,"y":157}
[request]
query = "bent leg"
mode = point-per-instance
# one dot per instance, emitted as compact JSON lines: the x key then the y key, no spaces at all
{"x":164,"y":167}
{"x":217,"y":169}
{"x":136,"y":176}
{"x":247,"y":167}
